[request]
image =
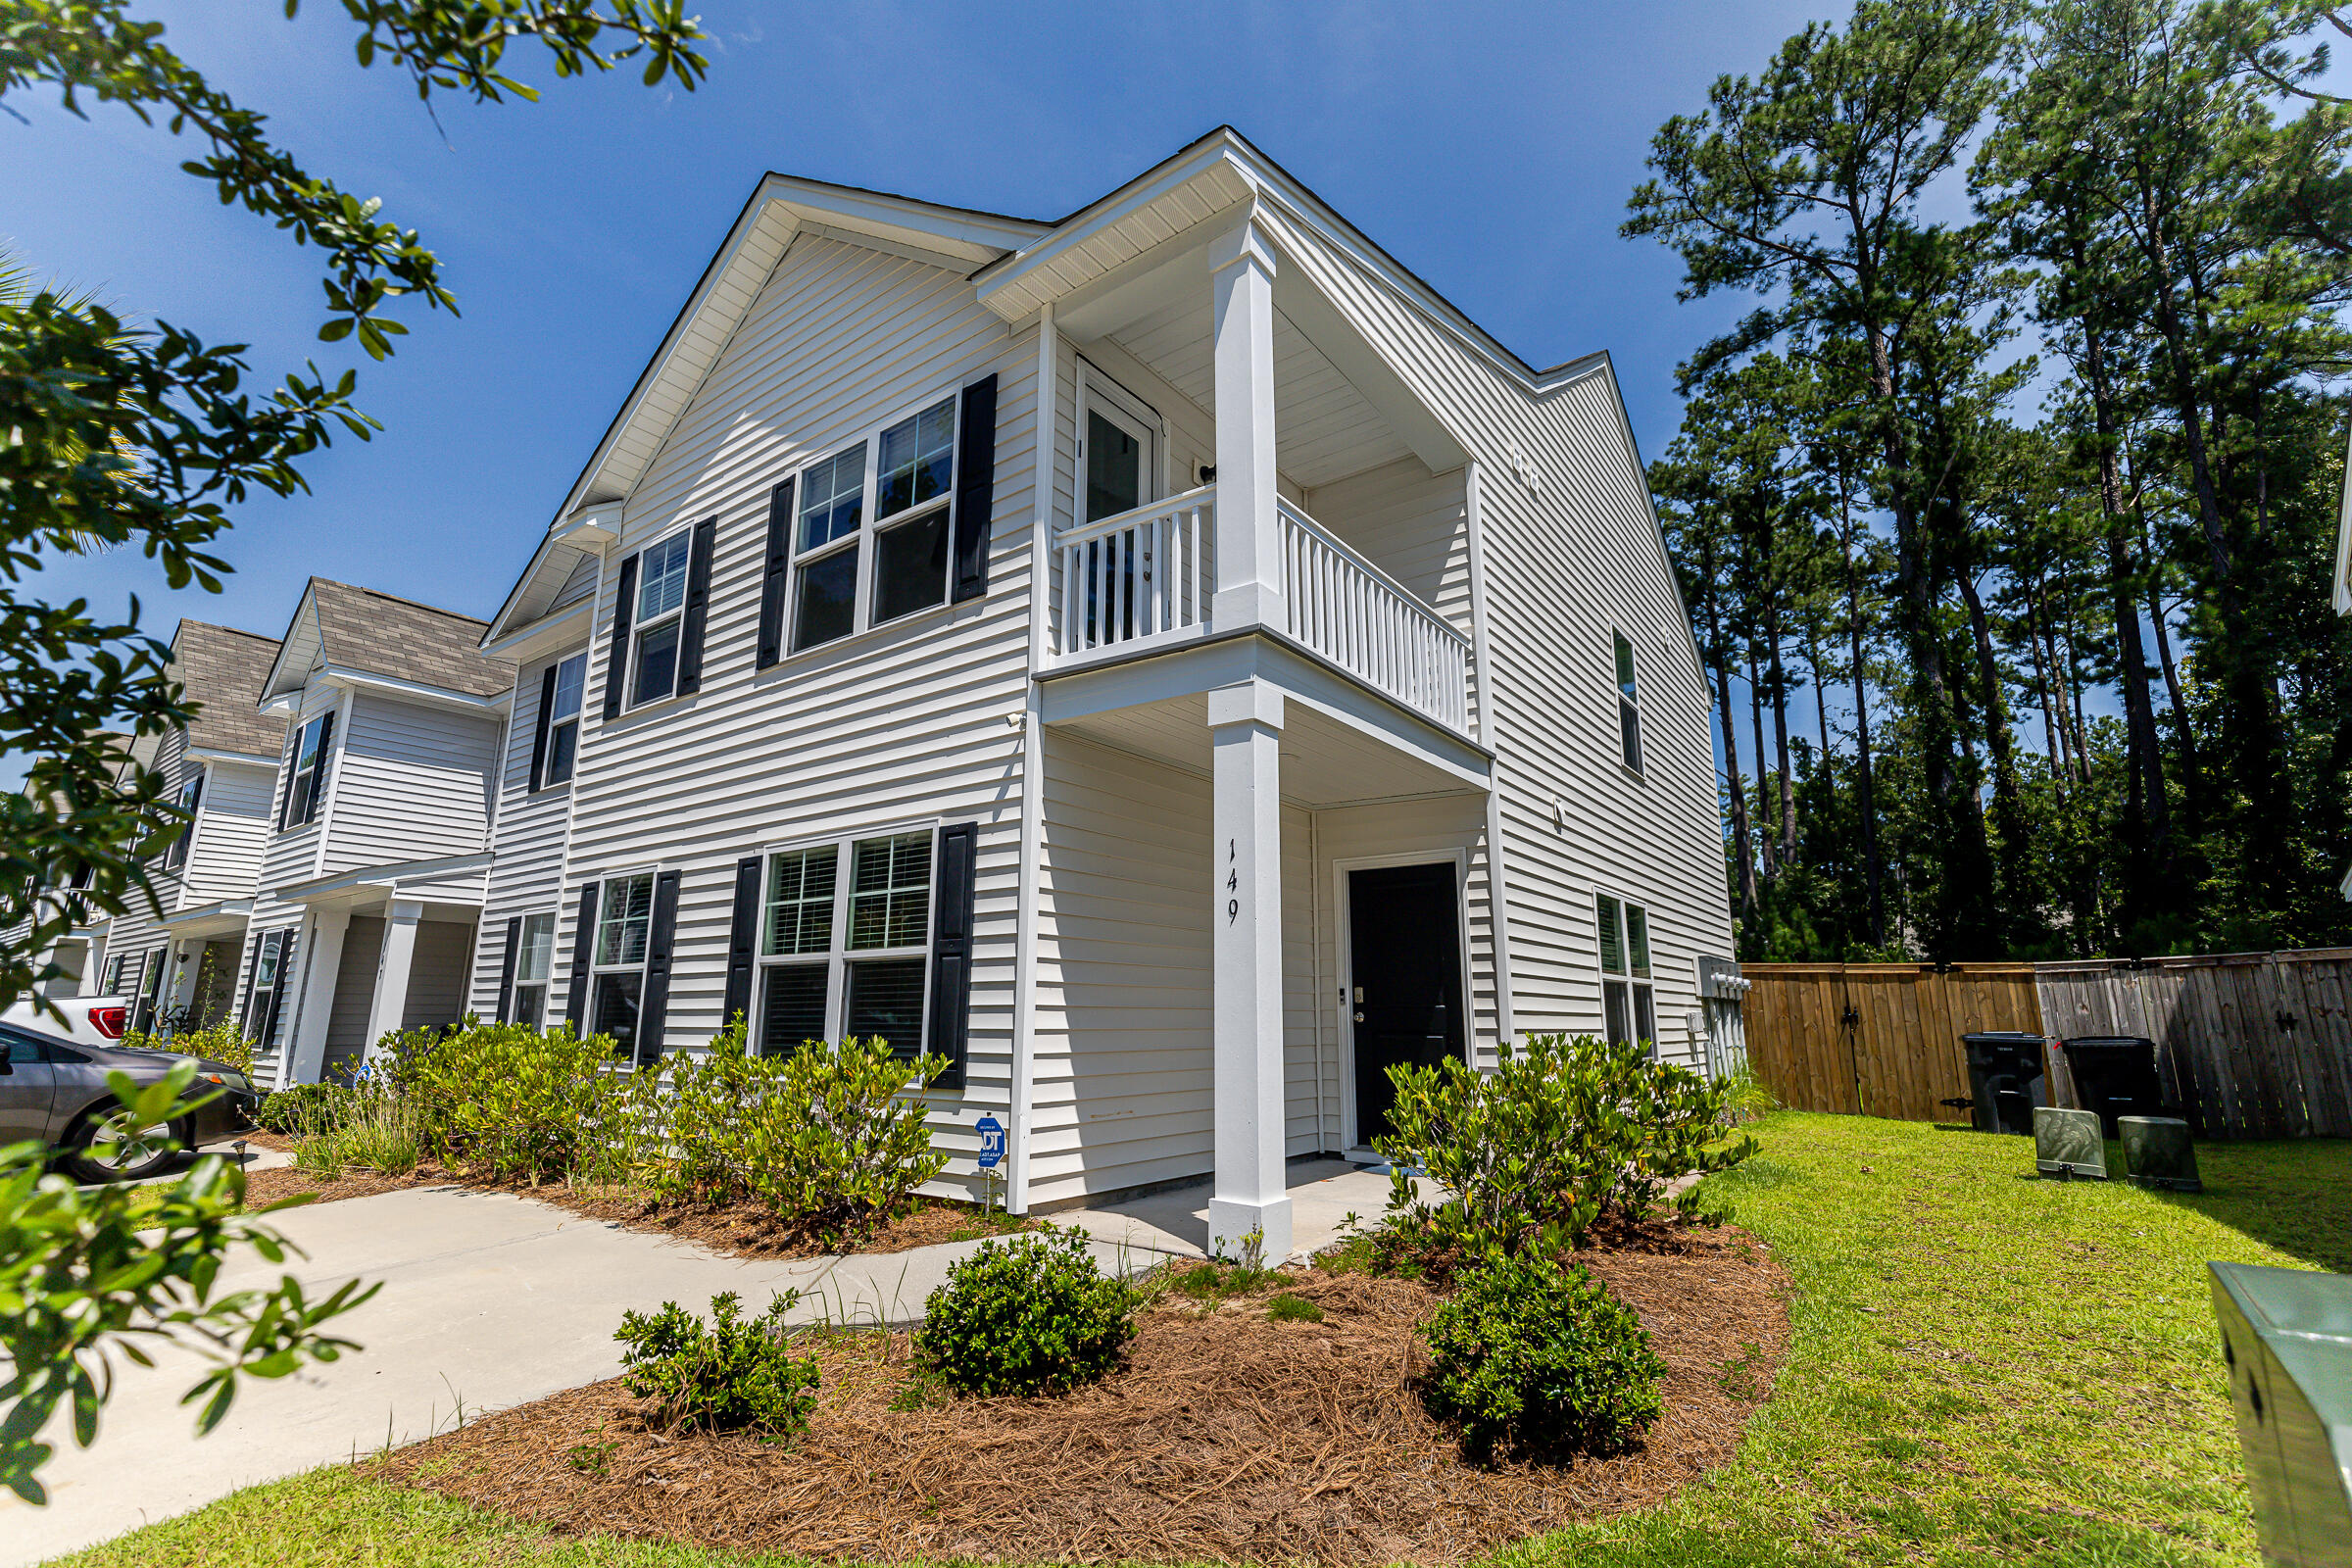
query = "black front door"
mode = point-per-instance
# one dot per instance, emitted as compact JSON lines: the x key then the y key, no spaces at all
{"x":1405,"y":949}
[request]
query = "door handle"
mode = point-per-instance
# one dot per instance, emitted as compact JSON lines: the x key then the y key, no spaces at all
{"x":1359,"y":1018}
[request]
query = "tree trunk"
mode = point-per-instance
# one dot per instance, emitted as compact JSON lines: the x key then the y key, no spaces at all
{"x":2053,"y":739}
{"x":1868,"y":800}
{"x":2192,"y":802}
{"x":1731,"y":741}
{"x":1756,"y":713}
{"x":1780,"y":736}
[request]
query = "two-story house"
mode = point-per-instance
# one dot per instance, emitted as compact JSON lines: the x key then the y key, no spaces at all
{"x":1168,"y":661}
{"x":181,"y":954}
{"x":371,"y":877}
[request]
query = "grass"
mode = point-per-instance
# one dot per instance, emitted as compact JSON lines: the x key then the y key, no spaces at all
{"x":1987,"y":1368}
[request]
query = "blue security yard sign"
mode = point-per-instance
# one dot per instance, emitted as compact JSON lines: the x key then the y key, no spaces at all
{"x":992,"y":1142}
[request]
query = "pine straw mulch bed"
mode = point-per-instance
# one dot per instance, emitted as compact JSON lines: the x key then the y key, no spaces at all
{"x":1228,"y":1437}
{"x":740,"y":1230}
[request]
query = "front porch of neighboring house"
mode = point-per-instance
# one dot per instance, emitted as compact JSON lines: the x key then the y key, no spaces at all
{"x":206,"y":944}
{"x":382,"y":949}
{"x":1263,"y":856}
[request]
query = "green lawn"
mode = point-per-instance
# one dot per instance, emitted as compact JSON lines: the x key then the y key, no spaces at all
{"x":1987,"y":1368}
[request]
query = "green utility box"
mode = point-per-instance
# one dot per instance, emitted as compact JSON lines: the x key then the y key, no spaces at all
{"x":2158,"y":1153}
{"x":2286,"y":1335}
{"x":2067,"y":1145}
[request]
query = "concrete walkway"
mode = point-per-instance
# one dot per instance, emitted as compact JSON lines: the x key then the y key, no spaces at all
{"x":1324,"y":1193}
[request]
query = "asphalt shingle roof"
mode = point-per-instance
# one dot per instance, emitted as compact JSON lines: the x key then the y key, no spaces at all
{"x":383,"y":634}
{"x":223,"y":670}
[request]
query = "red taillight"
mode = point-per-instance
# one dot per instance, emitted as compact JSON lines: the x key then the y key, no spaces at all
{"x":109,"y":1021}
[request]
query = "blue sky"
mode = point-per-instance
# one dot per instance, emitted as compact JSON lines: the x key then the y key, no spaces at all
{"x":1490,"y":147}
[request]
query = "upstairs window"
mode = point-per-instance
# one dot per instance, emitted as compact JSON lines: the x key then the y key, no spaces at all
{"x":625,"y":919}
{"x":1626,"y":1005}
{"x":845,"y":953}
{"x":659,"y":620}
{"x":871,"y":541}
{"x":191,"y":794}
{"x":309,"y":784}
{"x":1629,"y":707}
{"x":559,"y":743}
{"x":534,"y":961}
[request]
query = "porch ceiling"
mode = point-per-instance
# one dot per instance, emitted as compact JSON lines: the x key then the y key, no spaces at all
{"x":1324,"y":762}
{"x":1324,"y":429}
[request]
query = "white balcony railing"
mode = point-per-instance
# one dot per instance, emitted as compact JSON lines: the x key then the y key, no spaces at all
{"x":1140,"y":575}
{"x":1149,"y":575}
{"x":1364,"y":620}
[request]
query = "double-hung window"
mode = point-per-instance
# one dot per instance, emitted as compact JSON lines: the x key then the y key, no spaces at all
{"x":1626,"y":1005}
{"x":625,"y":919}
{"x":659,"y":620}
{"x":870,"y":539}
{"x":562,"y":720}
{"x":309,"y":784}
{"x":534,"y":961}
{"x":1629,"y":707}
{"x":845,"y":933}
{"x":191,"y":794}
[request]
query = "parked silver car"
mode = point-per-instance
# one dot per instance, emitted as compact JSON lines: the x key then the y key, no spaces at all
{"x":54,"y":1090}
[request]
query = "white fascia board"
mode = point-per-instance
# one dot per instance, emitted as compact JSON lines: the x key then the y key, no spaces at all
{"x":414,"y":690}
{"x":388,"y":876}
{"x":567,"y":532}
{"x":287,"y":672}
{"x":206,"y":754}
{"x":527,"y":642}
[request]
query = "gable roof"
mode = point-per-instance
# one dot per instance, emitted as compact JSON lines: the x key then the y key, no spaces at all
{"x":376,"y":633}
{"x":224,"y":670}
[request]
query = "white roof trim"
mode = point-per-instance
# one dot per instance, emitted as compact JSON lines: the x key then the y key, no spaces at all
{"x":414,"y":690}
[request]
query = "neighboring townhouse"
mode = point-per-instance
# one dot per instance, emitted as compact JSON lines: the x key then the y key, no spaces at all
{"x":181,"y":957}
{"x":1169,"y":662}
{"x":372,"y":874}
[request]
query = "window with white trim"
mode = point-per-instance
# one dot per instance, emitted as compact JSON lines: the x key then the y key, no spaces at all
{"x":624,"y":921}
{"x":659,"y":617}
{"x":1629,"y":707}
{"x":269,"y":955}
{"x":563,"y":720}
{"x":1626,"y":1005}
{"x":845,"y":941}
{"x":869,"y":543}
{"x":534,"y":962}
{"x":309,"y":771}
{"x":191,"y":794}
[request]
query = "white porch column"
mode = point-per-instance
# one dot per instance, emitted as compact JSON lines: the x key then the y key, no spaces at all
{"x":186,"y":959}
{"x":1250,"y":1191}
{"x":391,"y":997}
{"x":1248,"y":542}
{"x":319,"y":953}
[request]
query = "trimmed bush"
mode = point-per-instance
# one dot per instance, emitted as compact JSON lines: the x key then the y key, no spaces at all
{"x":1562,"y":1134}
{"x":1541,"y":1362}
{"x":732,"y":1374}
{"x":504,"y":1098}
{"x":1029,"y":1315}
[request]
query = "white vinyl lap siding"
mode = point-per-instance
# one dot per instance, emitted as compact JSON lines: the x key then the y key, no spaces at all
{"x":526,"y":840}
{"x":412,"y":783}
{"x":233,"y":834}
{"x":1564,"y":564}
{"x":904,"y":724}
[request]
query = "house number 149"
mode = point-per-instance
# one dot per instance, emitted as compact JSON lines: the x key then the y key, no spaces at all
{"x":1232,"y":881}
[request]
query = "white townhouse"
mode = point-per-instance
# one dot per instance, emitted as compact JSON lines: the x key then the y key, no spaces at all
{"x":377,"y":825}
{"x":181,"y":954}
{"x":1168,"y":661}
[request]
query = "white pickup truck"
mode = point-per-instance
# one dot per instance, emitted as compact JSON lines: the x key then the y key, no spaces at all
{"x":92,"y":1020}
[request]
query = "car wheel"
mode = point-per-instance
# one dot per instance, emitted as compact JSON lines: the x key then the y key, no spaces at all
{"x":105,"y":1148}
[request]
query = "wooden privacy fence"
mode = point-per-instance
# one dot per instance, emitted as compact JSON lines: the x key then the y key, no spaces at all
{"x":2249,"y":1045}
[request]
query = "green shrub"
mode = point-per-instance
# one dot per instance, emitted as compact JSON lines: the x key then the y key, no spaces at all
{"x":1028,"y":1315}
{"x":734,"y":1373}
{"x":504,"y":1099}
{"x":222,"y":1042}
{"x":1539,"y":1361}
{"x":1290,"y":1308}
{"x":300,"y":1109}
{"x":374,"y":1125}
{"x":1563,"y":1133}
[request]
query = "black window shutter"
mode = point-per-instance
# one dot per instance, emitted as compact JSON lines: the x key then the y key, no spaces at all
{"x":326,"y":739}
{"x":576,"y":1004}
{"x":251,"y":971}
{"x":616,"y":663}
{"x":288,"y":941}
{"x":743,"y":941}
{"x":952,"y":948}
{"x":653,"y":1011}
{"x":975,"y":488}
{"x":285,"y":775}
{"x":547,"y":702}
{"x":773,"y":580}
{"x":506,"y":971}
{"x":698,"y":605}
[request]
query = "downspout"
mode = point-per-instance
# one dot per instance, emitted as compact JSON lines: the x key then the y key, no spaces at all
{"x":1033,"y":769}
{"x":1499,"y":919}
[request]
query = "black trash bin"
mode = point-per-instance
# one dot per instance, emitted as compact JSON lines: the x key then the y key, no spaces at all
{"x":2116,"y":1076}
{"x":2004,"y":1080}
